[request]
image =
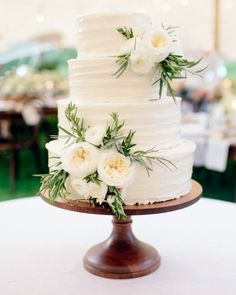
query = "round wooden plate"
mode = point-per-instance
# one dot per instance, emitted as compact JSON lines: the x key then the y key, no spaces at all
{"x":192,"y":197}
{"x":122,"y":255}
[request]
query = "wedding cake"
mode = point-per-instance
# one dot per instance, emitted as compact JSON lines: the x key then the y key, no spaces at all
{"x":119,"y":140}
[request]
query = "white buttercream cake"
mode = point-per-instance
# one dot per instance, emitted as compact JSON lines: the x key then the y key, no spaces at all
{"x":97,"y":93}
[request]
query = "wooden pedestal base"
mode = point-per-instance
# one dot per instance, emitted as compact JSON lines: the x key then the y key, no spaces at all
{"x":122,"y":255}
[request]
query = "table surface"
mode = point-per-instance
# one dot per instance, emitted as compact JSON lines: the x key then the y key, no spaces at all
{"x":42,"y":249}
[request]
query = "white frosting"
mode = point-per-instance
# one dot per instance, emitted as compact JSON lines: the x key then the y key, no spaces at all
{"x":97,"y":34}
{"x":97,"y":93}
{"x":163,"y":183}
{"x":55,"y":149}
{"x":92,"y":80}
{"x":157,"y":123}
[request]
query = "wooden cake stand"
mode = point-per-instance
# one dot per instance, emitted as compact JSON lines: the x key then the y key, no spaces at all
{"x":122,"y":255}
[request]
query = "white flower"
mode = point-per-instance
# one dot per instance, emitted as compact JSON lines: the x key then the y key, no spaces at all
{"x":80,"y":159}
{"x":115,"y":169}
{"x":176,"y":47}
{"x":81,"y":189}
{"x":130,"y":45}
{"x":141,"y":58}
{"x":77,"y":188}
{"x":159,"y":41}
{"x":142,"y":61}
{"x":98,"y":191}
{"x":95,"y":134}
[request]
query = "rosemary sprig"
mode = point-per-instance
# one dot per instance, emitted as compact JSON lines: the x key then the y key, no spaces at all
{"x":148,"y":157}
{"x":174,"y":67}
{"x":54,"y":184}
{"x":93,"y":178}
{"x":76,"y":124}
{"x":123,"y":62}
{"x":125,"y":146}
{"x":128,"y":33}
{"x":112,"y":134}
{"x":123,"y":59}
{"x":113,"y":201}
{"x":117,"y":206}
{"x":68,"y":133}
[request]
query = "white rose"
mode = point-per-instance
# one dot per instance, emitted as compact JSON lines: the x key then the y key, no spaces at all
{"x":159,"y":41}
{"x":95,"y":134}
{"x":130,"y":45}
{"x":115,"y":169}
{"x":98,"y":191}
{"x":78,"y":188}
{"x":81,"y":189}
{"x":142,"y":61}
{"x":80,"y":159}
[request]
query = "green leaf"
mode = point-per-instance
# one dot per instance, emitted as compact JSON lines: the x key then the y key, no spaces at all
{"x":174,"y":67}
{"x":93,"y":178}
{"x":123,"y":62}
{"x":112,"y":134}
{"x":117,"y":206}
{"x":128,"y":33}
{"x":148,"y":158}
{"x":66,"y":131}
{"x":76,"y":124}
{"x":53,"y":183}
{"x":125,"y":146}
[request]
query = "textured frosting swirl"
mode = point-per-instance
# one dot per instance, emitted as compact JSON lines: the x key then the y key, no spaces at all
{"x":162,"y":184}
{"x":91,"y":80}
{"x":97,"y":34}
{"x":157,"y":123}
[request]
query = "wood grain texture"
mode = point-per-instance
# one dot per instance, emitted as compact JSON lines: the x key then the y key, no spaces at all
{"x":122,"y":255}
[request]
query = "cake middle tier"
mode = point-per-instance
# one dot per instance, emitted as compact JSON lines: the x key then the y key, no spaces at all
{"x":93,"y":80}
{"x":157,"y":123}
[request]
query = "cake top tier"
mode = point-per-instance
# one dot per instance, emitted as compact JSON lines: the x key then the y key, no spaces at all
{"x":97,"y":34}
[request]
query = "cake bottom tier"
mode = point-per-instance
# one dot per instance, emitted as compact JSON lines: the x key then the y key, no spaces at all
{"x":165,"y":182}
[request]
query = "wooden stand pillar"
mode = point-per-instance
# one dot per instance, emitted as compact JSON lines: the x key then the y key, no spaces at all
{"x":122,"y":255}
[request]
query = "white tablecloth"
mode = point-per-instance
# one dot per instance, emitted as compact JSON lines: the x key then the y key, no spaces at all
{"x":42,"y":249}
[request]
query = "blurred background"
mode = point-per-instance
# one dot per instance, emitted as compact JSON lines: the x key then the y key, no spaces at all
{"x":37,"y":37}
